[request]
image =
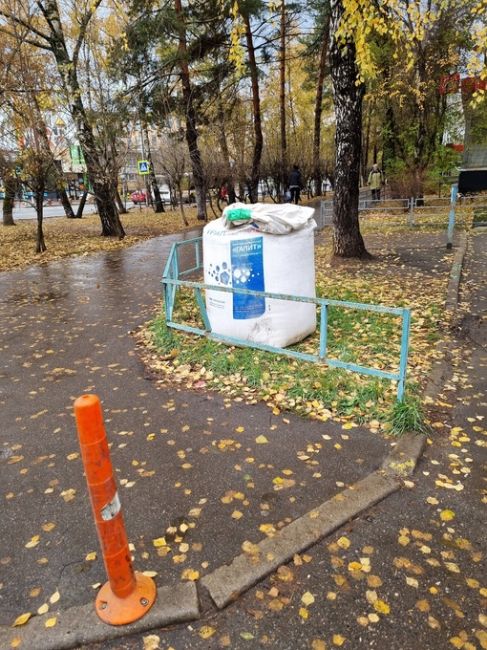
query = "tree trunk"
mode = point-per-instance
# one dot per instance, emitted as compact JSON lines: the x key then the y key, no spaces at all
{"x":39,"y":200}
{"x":230,"y":181}
{"x":317,"y":172}
{"x":282,"y":98}
{"x":181,"y":204}
{"x":68,"y":210}
{"x":9,"y":200}
{"x":120,"y":204}
{"x":107,"y":210}
{"x":364,"y":156}
{"x":257,"y":118}
{"x":347,"y":240}
{"x":81,"y":206}
{"x":66,"y":203}
{"x":99,"y":178}
{"x":190,"y":115}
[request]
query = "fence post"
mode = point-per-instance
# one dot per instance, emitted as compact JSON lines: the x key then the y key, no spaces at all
{"x":451,"y":216}
{"x":411,"y":211}
{"x":406,"y":320}
{"x":323,"y":330}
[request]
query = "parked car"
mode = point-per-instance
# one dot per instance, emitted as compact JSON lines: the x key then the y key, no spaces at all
{"x":138,"y":197}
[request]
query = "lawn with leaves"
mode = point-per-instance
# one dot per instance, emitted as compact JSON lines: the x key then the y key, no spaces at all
{"x":365,"y":338}
{"x":69,"y":237}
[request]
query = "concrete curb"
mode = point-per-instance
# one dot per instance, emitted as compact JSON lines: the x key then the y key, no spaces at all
{"x":226,"y":583}
{"x":455,"y":274}
{"x":80,"y":625}
{"x":403,"y":458}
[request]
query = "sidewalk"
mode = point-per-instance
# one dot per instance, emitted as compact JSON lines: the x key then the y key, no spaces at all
{"x":181,"y":458}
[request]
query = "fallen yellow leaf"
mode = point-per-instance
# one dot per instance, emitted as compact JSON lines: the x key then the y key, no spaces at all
{"x":343,"y":542}
{"x":190,"y":574}
{"x":338,"y":639}
{"x":33,"y":542}
{"x":447,"y":515}
{"x":160,"y":541}
{"x":423,"y":605}
{"x":55,"y":597}
{"x":381,"y":606}
{"x":318,"y":644}
{"x":206,"y":631}
{"x":261,"y":440}
{"x":151,"y":642}
{"x":51,"y":622}
{"x":307,"y":598}
{"x":22,"y":619}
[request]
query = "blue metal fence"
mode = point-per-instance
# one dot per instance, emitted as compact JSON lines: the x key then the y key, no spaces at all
{"x":171,"y":282}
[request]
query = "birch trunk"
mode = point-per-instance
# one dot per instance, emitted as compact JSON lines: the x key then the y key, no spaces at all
{"x":282,"y":98}
{"x":347,"y":240}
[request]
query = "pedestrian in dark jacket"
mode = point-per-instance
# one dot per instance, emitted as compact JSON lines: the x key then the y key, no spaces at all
{"x":295,"y":184}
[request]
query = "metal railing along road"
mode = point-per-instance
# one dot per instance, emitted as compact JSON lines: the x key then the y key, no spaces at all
{"x":418,"y":211}
{"x":191,"y":260}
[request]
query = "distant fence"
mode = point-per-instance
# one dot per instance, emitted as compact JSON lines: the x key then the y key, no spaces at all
{"x":415,"y":211}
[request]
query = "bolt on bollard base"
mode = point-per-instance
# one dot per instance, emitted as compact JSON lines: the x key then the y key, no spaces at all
{"x":120,"y":611}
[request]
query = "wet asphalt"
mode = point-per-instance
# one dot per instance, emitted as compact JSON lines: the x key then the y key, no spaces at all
{"x":66,"y":330}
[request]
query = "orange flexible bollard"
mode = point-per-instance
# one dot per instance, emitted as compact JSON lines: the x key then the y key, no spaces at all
{"x":127,"y":595}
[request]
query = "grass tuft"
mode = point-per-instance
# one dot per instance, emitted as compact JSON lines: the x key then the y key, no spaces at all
{"x":407,"y":416}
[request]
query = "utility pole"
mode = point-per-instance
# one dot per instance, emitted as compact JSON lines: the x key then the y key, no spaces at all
{"x":148,"y":195}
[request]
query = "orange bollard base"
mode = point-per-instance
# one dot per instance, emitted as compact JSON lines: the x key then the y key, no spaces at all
{"x":121,"y":611}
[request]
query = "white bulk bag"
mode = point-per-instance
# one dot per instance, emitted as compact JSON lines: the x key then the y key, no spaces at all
{"x":244,"y":257}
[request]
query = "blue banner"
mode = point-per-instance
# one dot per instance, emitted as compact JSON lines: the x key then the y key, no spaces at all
{"x":248,"y":273}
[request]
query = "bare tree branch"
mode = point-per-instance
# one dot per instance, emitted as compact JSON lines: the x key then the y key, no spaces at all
{"x":19,"y":21}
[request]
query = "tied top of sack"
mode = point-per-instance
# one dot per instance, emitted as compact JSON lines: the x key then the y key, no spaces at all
{"x":279,"y":219}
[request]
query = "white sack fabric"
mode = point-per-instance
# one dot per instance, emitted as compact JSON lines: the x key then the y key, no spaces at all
{"x":245,"y":257}
{"x":278,"y":219}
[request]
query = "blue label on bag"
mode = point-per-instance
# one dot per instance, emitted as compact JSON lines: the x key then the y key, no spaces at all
{"x":247,"y":273}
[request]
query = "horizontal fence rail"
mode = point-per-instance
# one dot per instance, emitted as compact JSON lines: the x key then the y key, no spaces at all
{"x":418,"y":210}
{"x":193,"y":258}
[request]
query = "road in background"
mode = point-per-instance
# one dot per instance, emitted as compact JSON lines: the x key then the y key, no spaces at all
{"x":26,"y":211}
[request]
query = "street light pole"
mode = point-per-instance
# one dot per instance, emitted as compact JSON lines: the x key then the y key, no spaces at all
{"x":147,"y":187}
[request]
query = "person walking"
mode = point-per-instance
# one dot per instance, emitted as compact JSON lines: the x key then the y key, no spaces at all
{"x":375,"y":182}
{"x":295,"y":184}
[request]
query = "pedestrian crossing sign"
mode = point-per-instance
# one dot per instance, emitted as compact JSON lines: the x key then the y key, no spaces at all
{"x":143,"y":167}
